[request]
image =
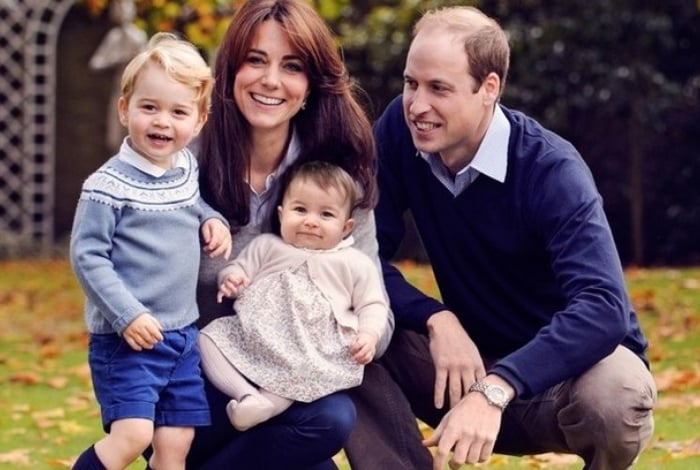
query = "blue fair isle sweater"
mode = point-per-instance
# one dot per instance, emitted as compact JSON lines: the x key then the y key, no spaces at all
{"x":528,"y":265}
{"x":135,"y":244}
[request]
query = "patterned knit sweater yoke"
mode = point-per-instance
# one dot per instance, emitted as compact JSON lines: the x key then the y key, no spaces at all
{"x":135,"y":245}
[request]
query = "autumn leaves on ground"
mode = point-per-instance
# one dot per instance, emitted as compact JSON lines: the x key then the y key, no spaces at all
{"x":49,"y":414}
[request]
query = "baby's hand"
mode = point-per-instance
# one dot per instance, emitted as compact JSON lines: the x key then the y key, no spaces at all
{"x":364,"y":347}
{"x":143,"y":332}
{"x":216,"y":238}
{"x":232,"y":286}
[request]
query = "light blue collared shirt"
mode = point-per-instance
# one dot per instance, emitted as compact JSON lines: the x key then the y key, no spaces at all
{"x":260,"y":203}
{"x":491,"y":158}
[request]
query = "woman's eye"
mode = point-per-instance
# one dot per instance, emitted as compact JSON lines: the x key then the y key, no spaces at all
{"x":294,"y":66}
{"x":254,"y":59}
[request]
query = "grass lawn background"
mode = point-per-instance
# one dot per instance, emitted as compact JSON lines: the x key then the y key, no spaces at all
{"x":49,"y":414}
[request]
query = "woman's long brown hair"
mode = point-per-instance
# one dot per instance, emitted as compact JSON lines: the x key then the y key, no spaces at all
{"x":332,"y":113}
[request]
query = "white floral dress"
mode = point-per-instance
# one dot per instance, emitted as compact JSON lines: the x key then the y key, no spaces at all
{"x":284,"y":338}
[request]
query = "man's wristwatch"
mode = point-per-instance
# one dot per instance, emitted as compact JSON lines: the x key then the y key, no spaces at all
{"x":495,"y":394}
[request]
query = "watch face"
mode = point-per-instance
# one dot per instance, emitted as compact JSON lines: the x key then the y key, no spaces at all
{"x":497,"y":394}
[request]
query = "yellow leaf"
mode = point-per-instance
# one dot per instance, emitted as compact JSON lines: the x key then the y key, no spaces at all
{"x":57,"y":382}
{"x":552,"y":458}
{"x":71,"y":427}
{"x":16,"y":457}
{"x":80,"y":401}
{"x":52,"y":413}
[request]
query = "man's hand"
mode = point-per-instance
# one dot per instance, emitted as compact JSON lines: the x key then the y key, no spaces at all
{"x":457,"y":361}
{"x":469,"y":430}
{"x":216,"y":238}
{"x":143,"y":332}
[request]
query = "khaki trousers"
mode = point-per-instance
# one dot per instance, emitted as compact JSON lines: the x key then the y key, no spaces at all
{"x":605,"y":415}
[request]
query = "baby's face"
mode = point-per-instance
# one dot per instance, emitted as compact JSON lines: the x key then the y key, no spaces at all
{"x":313,"y":217}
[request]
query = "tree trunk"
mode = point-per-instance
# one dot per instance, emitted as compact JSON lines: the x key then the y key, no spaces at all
{"x":636,"y":188}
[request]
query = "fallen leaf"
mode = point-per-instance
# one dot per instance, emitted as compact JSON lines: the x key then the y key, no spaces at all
{"x":71,"y":427}
{"x":680,"y":449}
{"x":49,"y":350}
{"x":16,"y":457}
{"x":57,"y":382}
{"x":674,"y":379}
{"x":26,"y":378}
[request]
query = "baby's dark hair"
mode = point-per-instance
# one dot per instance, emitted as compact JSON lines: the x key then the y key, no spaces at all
{"x":325,"y":175}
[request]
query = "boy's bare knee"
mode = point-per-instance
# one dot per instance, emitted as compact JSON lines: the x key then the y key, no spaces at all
{"x":170,"y":446}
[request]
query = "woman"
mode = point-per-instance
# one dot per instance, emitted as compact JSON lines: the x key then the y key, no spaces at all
{"x":281,"y":91}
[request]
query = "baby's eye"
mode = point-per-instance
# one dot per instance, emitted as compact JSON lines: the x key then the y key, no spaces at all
{"x":328,"y":214}
{"x":299,"y":209}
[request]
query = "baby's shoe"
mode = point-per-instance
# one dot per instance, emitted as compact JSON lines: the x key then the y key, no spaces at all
{"x":249,"y":411}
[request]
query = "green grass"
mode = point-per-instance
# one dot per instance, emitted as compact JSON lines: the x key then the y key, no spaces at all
{"x":49,"y":414}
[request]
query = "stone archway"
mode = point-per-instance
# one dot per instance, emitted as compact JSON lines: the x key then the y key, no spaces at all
{"x":28,"y":38}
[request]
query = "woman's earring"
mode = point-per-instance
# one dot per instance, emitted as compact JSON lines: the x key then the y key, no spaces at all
{"x":303,"y":105}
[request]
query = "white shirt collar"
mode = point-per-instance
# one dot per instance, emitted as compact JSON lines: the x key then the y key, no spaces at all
{"x":128,"y":155}
{"x":491,"y":158}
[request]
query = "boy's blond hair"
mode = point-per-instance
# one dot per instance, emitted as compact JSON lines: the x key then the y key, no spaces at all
{"x":181,"y":61}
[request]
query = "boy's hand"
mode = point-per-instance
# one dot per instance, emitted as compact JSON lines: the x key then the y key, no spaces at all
{"x":364,"y":348}
{"x":143,"y":332}
{"x":217,"y":238}
{"x":232,"y":286}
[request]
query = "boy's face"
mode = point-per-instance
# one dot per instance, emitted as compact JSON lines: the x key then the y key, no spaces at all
{"x":313,"y":217}
{"x":162,"y":115}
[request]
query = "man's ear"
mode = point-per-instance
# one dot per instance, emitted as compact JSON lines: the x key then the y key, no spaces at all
{"x":492,"y":88}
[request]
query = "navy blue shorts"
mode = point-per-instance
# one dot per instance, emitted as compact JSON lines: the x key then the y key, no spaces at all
{"x":163,"y":384}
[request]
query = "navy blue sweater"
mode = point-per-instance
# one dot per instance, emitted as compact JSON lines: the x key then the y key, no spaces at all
{"x":529,"y":265}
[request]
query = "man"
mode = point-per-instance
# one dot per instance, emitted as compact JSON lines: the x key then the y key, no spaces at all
{"x":535,"y":346}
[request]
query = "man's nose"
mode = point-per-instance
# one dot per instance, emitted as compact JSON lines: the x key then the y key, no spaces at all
{"x":418,"y":103}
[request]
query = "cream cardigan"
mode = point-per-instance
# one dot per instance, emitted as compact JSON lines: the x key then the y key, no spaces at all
{"x":346,"y":276}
